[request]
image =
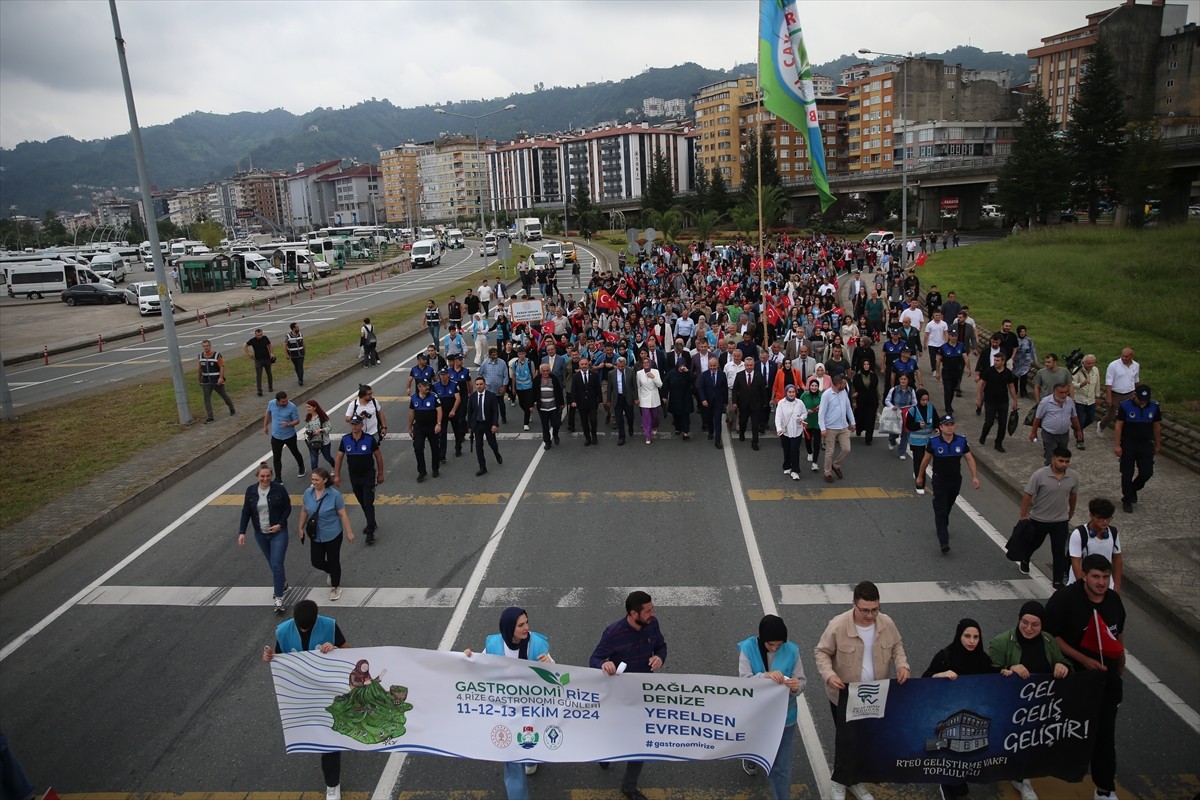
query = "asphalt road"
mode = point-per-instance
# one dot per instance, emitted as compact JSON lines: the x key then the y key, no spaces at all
{"x":132,"y":665}
{"x":35,"y":383}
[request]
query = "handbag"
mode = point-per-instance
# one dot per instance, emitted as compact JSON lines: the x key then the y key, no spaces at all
{"x":1014,"y":419}
{"x":310,"y":525}
{"x":889,"y":420}
{"x":1031,"y":416}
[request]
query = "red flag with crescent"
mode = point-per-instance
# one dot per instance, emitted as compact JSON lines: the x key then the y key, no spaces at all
{"x":604,"y":299}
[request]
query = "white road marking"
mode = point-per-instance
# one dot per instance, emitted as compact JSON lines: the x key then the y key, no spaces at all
{"x":821,"y":594}
{"x":386,"y":786}
{"x":817,"y":760}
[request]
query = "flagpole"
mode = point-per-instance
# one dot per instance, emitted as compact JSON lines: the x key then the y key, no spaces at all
{"x":762,"y":253}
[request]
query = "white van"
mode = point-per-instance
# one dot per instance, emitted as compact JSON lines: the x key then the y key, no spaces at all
{"x":427,"y":233}
{"x":254,"y":267}
{"x":554,"y":250}
{"x":879,"y":238}
{"x":299,"y":258}
{"x":111,"y":266}
{"x":40,"y":278}
{"x":426,"y":253}
{"x":454,"y":239}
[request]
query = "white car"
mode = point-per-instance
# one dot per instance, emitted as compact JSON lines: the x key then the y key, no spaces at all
{"x":555,"y":251}
{"x":144,"y":295}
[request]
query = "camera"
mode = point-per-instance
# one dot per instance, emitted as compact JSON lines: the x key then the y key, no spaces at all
{"x":365,"y":414}
{"x":1074,"y":361}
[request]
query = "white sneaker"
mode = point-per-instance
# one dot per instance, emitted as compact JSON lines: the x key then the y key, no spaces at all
{"x":920,"y":490}
{"x":530,"y":769}
{"x":335,"y":593}
{"x":1026,"y":790}
{"x":815,"y":468}
{"x":836,"y":791}
{"x":278,"y":605}
{"x":1101,"y":795}
{"x":795,"y":475}
{"x":525,"y":428}
{"x":859,"y":790}
{"x":333,"y":792}
{"x":903,"y":457}
{"x":787,"y":472}
{"x":809,"y":456}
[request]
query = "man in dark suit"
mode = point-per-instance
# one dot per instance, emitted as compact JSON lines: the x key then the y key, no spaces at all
{"x":483,"y":420}
{"x":622,"y":393}
{"x":750,"y":394}
{"x":713,"y":388}
{"x":658,"y":356}
{"x":675,"y":355}
{"x":766,"y":370}
{"x":585,"y":396}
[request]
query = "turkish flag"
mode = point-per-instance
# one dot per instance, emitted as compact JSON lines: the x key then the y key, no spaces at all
{"x":920,"y":259}
{"x":548,"y":329}
{"x":1097,"y":638}
{"x":612,"y":337}
{"x":604,"y":299}
{"x":773,"y":315}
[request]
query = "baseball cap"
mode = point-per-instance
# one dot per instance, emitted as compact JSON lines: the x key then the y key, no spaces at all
{"x":1142,"y":391}
{"x":457,"y":357}
{"x":905,"y":348}
{"x":356,"y":420}
{"x":947,"y":418}
{"x":443,"y":371}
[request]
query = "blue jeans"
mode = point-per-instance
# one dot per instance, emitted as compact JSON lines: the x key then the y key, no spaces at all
{"x":435,"y":333}
{"x":514,"y":782}
{"x":1087,"y":414}
{"x":274,"y":548}
{"x":780,"y":776}
{"x":314,"y":456}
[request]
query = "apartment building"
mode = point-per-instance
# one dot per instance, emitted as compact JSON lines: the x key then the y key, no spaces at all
{"x":525,"y":173}
{"x":453,"y":176}
{"x":352,"y":196}
{"x":304,"y":202}
{"x":790,"y":144}
{"x":718,"y":140}
{"x":399,"y":166}
{"x":616,"y":162}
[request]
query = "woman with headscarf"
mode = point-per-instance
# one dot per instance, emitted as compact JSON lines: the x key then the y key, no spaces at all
{"x":790,"y":415}
{"x":786,"y":376}
{"x":516,"y":640}
{"x":921,"y":423}
{"x":1028,"y":650}
{"x":822,"y":378}
{"x":679,"y":397}
{"x":812,"y":428}
{"x":477,"y":329}
{"x":963,"y":656}
{"x":864,"y":395}
{"x":770,"y":655}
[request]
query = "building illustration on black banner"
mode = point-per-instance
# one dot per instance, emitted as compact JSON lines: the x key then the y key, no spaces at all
{"x":961,"y":732}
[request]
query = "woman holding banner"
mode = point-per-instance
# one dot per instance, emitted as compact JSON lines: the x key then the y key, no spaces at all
{"x":963,"y":656}
{"x":516,"y":640}
{"x":770,"y":655}
{"x":1028,"y":650}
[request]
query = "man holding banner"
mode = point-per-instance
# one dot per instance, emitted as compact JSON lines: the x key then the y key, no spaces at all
{"x":1087,"y":619}
{"x":859,"y":645}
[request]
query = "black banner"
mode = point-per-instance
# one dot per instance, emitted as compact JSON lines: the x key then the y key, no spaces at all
{"x":979,"y":728}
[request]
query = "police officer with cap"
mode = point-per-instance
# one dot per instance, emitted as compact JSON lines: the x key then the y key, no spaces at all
{"x":424,"y":424}
{"x":460,"y":376}
{"x":1138,"y":438}
{"x":364,"y":462}
{"x":448,"y":396}
{"x":891,"y":352}
{"x":946,"y":452}
{"x":908,"y":365}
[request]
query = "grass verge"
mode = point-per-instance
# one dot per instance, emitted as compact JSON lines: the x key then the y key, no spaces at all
{"x":121,"y":423}
{"x":1099,"y":289}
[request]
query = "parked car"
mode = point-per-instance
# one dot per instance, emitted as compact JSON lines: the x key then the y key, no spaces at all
{"x":568,"y":252}
{"x":144,"y":295}
{"x":97,"y":293}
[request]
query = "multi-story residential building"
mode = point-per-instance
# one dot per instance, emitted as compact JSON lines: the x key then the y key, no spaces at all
{"x":188,"y":206}
{"x":955,"y":141}
{"x":675,"y":108}
{"x":616,"y":162}
{"x":790,"y":145}
{"x":453,"y":178}
{"x":305,"y":209}
{"x":352,"y":196}
{"x":652,"y":106}
{"x":854,"y":72}
{"x":718,"y":143}
{"x":1177,"y":78}
{"x":262,"y":193}
{"x":1134,"y":33}
{"x":401,"y":182}
{"x":823,"y":84}
{"x":116,"y":215}
{"x":525,"y":173}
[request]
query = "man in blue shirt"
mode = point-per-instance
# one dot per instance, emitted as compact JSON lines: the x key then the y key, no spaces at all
{"x":364,"y":462}
{"x":421,"y":372}
{"x":495,"y":374}
{"x":424,"y":424}
{"x":281,"y":421}
{"x":460,"y":376}
{"x":946,"y":451}
{"x":951,"y":364}
{"x":633,"y":643}
{"x":1138,"y":438}
{"x":446,"y":392}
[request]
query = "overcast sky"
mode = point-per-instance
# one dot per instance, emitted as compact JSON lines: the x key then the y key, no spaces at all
{"x":59,"y":73}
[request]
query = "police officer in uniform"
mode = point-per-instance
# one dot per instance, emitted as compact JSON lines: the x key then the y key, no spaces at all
{"x":906,"y":364}
{"x":946,"y":451}
{"x":364,"y":462}
{"x":891,"y":352}
{"x":424,"y":423}
{"x":1138,"y":438}
{"x":421,"y":372}
{"x":951,"y":364}
{"x":460,"y":376}
{"x":210,"y":366}
{"x":448,"y":397}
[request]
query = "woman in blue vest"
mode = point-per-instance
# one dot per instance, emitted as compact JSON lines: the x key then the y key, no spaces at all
{"x":308,"y":630}
{"x":920,"y":422}
{"x":771,"y":655}
{"x":268,"y":507}
{"x":516,"y":640}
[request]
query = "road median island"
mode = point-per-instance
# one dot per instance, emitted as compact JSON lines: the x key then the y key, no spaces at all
{"x":127,"y":447}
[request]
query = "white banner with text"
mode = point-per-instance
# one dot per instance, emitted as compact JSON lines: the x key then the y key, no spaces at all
{"x":401,"y":699}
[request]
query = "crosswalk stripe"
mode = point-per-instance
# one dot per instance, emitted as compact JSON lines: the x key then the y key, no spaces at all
{"x":493,"y":498}
{"x":819,"y":594}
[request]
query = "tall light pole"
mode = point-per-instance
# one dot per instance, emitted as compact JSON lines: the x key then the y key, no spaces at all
{"x":475,"y":119}
{"x":904,"y":139}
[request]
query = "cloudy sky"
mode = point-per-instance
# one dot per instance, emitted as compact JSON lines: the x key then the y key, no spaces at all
{"x":59,"y":73}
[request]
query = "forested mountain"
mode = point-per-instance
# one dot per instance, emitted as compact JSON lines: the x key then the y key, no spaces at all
{"x":63,"y":173}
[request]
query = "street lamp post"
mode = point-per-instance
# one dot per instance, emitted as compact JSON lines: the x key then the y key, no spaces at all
{"x":475,"y":119}
{"x":904,"y":139}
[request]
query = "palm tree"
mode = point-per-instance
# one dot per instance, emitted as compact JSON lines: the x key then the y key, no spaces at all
{"x":774,"y":204}
{"x":745,"y":219}
{"x":670,"y":223}
{"x":706,"y":222}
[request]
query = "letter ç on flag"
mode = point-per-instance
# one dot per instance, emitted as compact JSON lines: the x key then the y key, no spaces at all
{"x":787,"y":82}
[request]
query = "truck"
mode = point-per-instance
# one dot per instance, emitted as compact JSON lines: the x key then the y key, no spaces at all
{"x":454,"y":237}
{"x":529,"y":229}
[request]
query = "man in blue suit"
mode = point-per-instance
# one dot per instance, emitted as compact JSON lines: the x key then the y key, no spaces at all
{"x":483,"y":420}
{"x":713,"y":389}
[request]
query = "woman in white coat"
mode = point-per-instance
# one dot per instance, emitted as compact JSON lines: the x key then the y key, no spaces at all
{"x":649,"y":382}
{"x":478,"y":329}
{"x":790,"y":416}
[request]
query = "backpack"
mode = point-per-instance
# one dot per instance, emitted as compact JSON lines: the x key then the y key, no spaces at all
{"x":1083,"y":540}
